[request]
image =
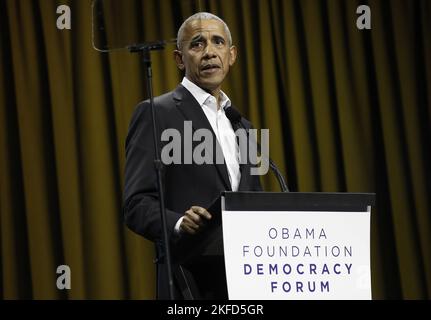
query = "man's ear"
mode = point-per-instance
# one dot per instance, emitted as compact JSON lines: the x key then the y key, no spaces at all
{"x":178,"y":56}
{"x":233,"y":55}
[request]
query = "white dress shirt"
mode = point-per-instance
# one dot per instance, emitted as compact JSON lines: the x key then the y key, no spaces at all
{"x":222,"y":128}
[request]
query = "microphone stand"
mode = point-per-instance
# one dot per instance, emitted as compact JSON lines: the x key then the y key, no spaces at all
{"x":235,"y":118}
{"x":145,"y":50}
{"x":278,"y":175}
{"x":274,"y":168}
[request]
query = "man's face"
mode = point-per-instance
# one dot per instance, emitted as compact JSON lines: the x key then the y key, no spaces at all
{"x":205,"y":55}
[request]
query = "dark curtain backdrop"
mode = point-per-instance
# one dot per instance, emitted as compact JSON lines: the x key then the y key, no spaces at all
{"x":348,"y":111}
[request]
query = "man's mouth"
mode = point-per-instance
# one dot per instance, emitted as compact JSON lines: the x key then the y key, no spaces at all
{"x":210,"y":67}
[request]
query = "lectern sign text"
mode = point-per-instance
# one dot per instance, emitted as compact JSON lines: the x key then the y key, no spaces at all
{"x":297,"y":254}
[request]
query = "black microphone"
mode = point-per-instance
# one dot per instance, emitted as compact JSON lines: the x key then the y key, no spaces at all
{"x":235,"y":118}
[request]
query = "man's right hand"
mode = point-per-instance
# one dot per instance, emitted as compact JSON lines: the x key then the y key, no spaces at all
{"x":194,"y":220}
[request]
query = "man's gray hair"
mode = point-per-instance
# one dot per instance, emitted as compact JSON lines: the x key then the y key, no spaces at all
{"x":201,"y":16}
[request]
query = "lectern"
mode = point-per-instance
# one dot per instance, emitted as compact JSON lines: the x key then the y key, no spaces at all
{"x":291,"y":245}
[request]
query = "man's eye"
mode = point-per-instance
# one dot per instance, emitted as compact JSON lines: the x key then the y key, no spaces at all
{"x":197,"y":44}
{"x":219,"y":41}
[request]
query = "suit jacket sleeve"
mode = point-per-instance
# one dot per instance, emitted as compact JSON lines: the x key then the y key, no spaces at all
{"x":141,"y":207}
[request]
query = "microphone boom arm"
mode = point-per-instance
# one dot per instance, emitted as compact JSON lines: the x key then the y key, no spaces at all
{"x":235,"y":118}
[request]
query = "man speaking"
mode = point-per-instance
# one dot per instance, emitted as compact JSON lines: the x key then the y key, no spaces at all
{"x":205,"y":53}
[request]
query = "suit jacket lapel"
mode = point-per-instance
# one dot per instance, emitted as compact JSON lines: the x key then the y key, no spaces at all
{"x":192,"y":111}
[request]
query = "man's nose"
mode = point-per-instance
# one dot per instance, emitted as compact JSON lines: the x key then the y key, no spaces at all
{"x":210,"y":50}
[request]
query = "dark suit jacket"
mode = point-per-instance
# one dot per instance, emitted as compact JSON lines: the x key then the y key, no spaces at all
{"x":185,"y":185}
